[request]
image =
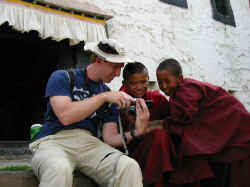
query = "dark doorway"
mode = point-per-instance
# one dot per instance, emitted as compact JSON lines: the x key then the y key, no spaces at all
{"x":27,"y":62}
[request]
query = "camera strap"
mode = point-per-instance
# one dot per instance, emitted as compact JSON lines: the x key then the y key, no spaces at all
{"x":121,"y":133}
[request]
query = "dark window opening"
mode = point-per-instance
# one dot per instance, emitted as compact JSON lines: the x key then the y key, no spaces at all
{"x":179,"y":3}
{"x":222,"y":12}
{"x":221,"y":7}
{"x":27,"y":63}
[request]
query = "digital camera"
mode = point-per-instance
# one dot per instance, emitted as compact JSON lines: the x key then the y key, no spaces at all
{"x":132,"y":108}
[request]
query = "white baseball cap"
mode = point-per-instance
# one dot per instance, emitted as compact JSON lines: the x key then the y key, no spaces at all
{"x":109,"y":50}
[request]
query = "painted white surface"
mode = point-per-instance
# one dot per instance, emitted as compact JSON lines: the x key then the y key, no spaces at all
{"x":208,"y":50}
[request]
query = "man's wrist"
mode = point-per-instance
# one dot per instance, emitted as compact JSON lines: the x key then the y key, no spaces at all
{"x":104,"y":97}
{"x":135,"y":135}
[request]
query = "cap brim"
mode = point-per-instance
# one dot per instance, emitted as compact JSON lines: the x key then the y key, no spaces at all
{"x":92,"y":46}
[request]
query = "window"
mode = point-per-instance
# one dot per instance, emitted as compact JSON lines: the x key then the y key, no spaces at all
{"x":222,"y":12}
{"x":179,"y":3}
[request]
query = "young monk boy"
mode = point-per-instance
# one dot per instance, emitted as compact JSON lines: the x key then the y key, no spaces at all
{"x":212,"y":125}
{"x":135,"y":83}
{"x":153,"y":146}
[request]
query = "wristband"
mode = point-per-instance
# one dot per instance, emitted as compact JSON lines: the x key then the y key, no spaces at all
{"x":132,"y":133}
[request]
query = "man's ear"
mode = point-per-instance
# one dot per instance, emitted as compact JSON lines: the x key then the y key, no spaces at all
{"x":98,"y":60}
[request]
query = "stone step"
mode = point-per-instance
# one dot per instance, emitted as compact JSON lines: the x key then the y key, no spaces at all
{"x":14,"y":149}
{"x":16,"y":153}
{"x":15,"y":162}
{"x":28,"y":179}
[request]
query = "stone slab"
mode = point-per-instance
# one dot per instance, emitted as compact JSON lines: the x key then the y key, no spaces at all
{"x":28,"y":179}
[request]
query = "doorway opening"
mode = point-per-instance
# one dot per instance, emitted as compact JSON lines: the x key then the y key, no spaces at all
{"x":27,"y":63}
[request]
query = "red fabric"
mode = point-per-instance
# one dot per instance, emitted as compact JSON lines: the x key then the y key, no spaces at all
{"x":154,"y":156}
{"x":235,"y":174}
{"x":153,"y":152}
{"x":209,"y":120}
{"x":190,"y":170}
{"x":239,"y":173}
{"x":156,"y":152}
{"x":213,"y":126}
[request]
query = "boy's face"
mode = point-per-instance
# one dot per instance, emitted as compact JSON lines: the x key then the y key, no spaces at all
{"x":167,"y":81}
{"x":137,"y":84}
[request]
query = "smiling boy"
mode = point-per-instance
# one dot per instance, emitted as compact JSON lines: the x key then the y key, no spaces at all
{"x":210,"y":123}
{"x":156,"y":144}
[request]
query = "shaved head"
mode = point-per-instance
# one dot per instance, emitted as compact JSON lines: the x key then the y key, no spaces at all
{"x":171,"y":65}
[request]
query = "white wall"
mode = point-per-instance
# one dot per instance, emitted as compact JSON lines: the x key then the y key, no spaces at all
{"x":208,"y":50}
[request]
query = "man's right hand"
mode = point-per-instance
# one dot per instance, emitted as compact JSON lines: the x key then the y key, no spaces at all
{"x":120,"y":98}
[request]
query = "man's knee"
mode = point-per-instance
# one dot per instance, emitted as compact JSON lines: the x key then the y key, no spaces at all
{"x":62,"y":168}
{"x":55,"y":168}
{"x":57,"y":174}
{"x":127,"y":163}
{"x":128,"y":173}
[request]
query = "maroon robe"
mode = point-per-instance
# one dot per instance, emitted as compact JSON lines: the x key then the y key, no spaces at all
{"x":153,"y":152}
{"x":209,"y":120}
{"x":212,"y":127}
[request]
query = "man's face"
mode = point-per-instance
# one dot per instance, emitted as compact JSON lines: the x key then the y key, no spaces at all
{"x":109,"y":70}
{"x":137,"y":84}
{"x":167,"y":81}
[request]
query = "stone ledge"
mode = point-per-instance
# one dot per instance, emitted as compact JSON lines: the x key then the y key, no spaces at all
{"x":28,"y":179}
{"x":16,"y":153}
{"x":14,"y":150}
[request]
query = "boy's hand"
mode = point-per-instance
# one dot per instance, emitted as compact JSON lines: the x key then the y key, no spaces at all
{"x":142,"y":117}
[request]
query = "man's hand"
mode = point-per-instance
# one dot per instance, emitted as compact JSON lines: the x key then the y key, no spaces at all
{"x":142,"y":117}
{"x":120,"y":98}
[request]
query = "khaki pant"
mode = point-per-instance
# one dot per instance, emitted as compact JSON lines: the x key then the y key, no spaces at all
{"x":57,"y":156}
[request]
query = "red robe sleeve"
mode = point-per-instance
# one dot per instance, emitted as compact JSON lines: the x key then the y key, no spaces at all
{"x":184,"y":104}
{"x":208,"y":120}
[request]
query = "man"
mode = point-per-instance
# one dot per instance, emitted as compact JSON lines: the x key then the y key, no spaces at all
{"x":67,"y":140}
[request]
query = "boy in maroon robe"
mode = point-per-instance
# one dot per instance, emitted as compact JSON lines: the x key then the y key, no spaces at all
{"x":155,"y":145}
{"x":212,"y":126}
{"x":135,"y":83}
